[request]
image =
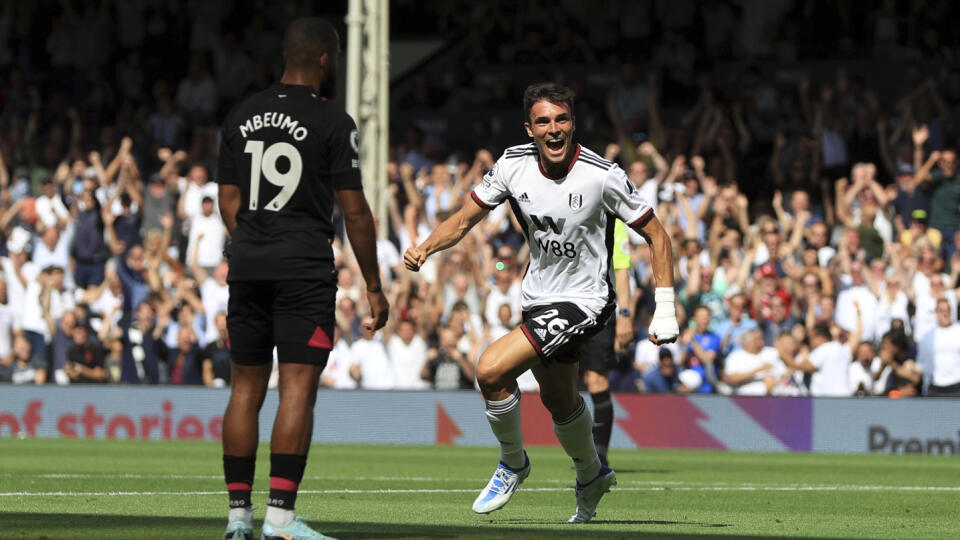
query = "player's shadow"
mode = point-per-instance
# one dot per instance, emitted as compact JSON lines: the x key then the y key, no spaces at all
{"x":657,"y":522}
{"x":643,"y":471}
{"x":108,"y":527}
{"x":521,"y":521}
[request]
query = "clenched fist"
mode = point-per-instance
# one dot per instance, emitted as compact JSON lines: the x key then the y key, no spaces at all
{"x":664,"y":328}
{"x":414,"y":258}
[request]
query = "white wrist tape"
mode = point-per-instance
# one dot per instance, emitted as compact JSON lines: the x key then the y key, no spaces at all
{"x":665,"y":299}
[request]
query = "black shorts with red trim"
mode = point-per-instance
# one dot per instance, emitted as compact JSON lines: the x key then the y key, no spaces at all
{"x":596,"y":353}
{"x":295,"y":316}
{"x":557,"y":330}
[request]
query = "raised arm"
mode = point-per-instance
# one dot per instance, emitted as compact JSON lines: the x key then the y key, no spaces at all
{"x":884,"y":147}
{"x":923,"y":173}
{"x":4,"y":173}
{"x":406,"y":176}
{"x":451,"y":231}
{"x":854,"y":340}
{"x":779,"y":141}
{"x":659,"y":163}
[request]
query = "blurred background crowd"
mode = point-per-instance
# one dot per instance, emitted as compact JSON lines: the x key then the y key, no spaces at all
{"x":800,"y":152}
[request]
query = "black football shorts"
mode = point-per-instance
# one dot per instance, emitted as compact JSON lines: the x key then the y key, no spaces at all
{"x":557,"y":330}
{"x":295,"y":316}
{"x":596,"y":353}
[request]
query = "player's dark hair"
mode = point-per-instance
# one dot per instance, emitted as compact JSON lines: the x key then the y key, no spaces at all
{"x":822,"y":329}
{"x":307,"y":39}
{"x":552,"y":92}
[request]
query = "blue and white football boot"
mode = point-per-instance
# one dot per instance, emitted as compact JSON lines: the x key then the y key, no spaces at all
{"x":589,"y":494}
{"x":501,"y":487}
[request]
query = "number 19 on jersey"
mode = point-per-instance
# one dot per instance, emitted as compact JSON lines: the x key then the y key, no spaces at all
{"x":265,"y":161}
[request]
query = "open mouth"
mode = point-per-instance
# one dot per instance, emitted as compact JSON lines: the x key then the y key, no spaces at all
{"x":554,"y":144}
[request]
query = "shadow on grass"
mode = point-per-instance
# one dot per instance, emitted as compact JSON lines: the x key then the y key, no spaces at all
{"x":521,"y":521}
{"x":89,"y":526}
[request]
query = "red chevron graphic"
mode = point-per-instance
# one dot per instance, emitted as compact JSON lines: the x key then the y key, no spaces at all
{"x":537,"y":422}
{"x":446,"y":428}
{"x":664,"y":422}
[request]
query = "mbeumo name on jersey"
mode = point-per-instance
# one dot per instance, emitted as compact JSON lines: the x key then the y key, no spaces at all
{"x":274,"y":119}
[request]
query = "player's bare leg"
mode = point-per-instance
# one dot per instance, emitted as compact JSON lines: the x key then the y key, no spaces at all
{"x":241,"y":427}
{"x":240,"y":438}
{"x":293,"y":426}
{"x":290,"y":441}
{"x":497,"y":373}
{"x":574,"y":428}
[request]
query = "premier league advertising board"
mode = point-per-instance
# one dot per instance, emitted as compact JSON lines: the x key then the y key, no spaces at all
{"x":848,"y":425}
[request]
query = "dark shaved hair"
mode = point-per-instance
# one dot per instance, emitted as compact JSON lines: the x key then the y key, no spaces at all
{"x":822,"y":329}
{"x":552,"y":92}
{"x":307,"y":39}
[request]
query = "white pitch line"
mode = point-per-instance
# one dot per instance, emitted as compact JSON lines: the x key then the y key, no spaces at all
{"x":651,"y":485}
{"x":473,"y":490}
{"x":135,"y":476}
{"x":220,"y":477}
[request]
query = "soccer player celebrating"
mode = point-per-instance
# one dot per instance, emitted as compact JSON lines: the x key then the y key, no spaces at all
{"x":567,"y":198}
{"x":285,"y":152}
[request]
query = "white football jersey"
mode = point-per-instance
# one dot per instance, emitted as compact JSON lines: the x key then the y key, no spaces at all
{"x":568,"y":222}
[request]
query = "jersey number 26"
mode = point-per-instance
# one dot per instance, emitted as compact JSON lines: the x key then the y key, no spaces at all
{"x":266,"y":161}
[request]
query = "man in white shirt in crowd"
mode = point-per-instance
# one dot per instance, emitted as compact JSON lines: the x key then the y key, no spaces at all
{"x":50,"y":208}
{"x":925,"y":316}
{"x":9,"y":321}
{"x":747,"y":370}
{"x":24,"y":288}
{"x":828,"y":363}
{"x":193,"y":189}
{"x":370,"y":364}
{"x":407,"y":352}
{"x":858,"y":293}
{"x":53,"y":249}
{"x":939,"y":354}
{"x":390,"y":262}
{"x":214,"y":294}
{"x":207,"y":235}
{"x":789,"y":380}
{"x":865,"y":371}
{"x":337,"y":373}
{"x":504,"y":290}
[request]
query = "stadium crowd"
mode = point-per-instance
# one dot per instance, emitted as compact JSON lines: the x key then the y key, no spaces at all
{"x":815,"y":221}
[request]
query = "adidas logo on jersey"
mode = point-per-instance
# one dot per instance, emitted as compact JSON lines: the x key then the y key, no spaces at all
{"x":541,"y":332}
{"x":523,"y":197}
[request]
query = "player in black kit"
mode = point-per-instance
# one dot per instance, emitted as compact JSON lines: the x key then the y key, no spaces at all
{"x":285,"y":152}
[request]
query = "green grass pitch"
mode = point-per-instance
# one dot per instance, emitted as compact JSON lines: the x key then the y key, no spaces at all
{"x":86,"y":489}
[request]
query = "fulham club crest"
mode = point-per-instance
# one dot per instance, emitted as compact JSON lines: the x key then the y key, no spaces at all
{"x":576,"y":201}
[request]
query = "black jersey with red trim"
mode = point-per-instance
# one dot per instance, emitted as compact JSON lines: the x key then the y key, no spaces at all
{"x":288,"y":150}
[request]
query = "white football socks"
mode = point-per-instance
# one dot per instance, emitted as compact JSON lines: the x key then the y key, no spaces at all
{"x":576,"y":436}
{"x":279,"y":516}
{"x":240,"y":514}
{"x":504,"y":418}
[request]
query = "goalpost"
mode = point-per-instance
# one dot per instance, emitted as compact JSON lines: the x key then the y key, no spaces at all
{"x":368,"y":95}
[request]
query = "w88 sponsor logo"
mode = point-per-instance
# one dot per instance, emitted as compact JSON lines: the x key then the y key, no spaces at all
{"x":565,"y":249}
